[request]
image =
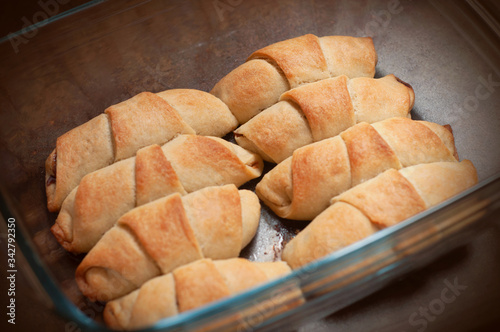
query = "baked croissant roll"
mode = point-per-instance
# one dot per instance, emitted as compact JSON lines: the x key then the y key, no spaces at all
{"x":301,"y":186}
{"x":272,"y":70}
{"x":126,"y":127}
{"x":155,"y":238}
{"x":183,"y":165}
{"x":323,"y":109}
{"x":186,"y":288}
{"x":383,"y":201}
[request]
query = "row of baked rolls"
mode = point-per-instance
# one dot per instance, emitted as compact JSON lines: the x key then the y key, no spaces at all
{"x":383,"y":201}
{"x":149,"y":118}
{"x":154,"y":239}
{"x":272,"y":70}
{"x":126,"y":127}
{"x":320,"y":110}
{"x":183,"y":165}
{"x":301,"y":186}
{"x":194,"y":285}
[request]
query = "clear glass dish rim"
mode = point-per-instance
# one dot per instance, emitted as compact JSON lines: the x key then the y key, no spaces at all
{"x":51,"y":19}
{"x":233,"y":304}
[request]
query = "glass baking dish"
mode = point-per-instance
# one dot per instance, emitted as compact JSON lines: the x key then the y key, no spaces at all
{"x":99,"y":54}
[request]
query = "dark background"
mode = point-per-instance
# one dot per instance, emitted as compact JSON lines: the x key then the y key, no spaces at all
{"x":12,"y":12}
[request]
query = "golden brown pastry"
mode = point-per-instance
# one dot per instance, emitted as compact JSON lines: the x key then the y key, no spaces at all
{"x":383,"y":201}
{"x":126,"y":127}
{"x":301,"y":186}
{"x":185,"y":164}
{"x":186,"y":288}
{"x":155,"y":238}
{"x":269,"y":72}
{"x":323,"y":109}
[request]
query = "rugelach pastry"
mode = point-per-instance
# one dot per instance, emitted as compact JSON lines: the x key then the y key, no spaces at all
{"x":189,"y":287}
{"x":301,"y":186}
{"x":269,"y":72}
{"x":323,"y":109}
{"x":183,"y":165}
{"x":126,"y":127}
{"x":155,"y":238}
{"x":383,"y":201}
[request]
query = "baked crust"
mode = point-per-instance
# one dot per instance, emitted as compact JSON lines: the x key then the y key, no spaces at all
{"x":327,"y":113}
{"x":185,"y":164}
{"x":401,"y":135}
{"x":300,"y":187}
{"x":196,"y":284}
{"x":160,"y":236}
{"x":275,"y":133}
{"x":269,"y":72}
{"x":201,"y":161}
{"x":78,"y":152}
{"x":154,"y":176}
{"x":187,"y":103}
{"x":321,"y":110}
{"x":165,"y":233}
{"x":215,"y":217}
{"x":335,"y":228}
{"x":312,"y":168}
{"x":350,"y":56}
{"x":191,"y":285}
{"x":251,"y":88}
{"x":142,"y":120}
{"x":301,"y":59}
{"x":383,"y":201}
{"x":437,"y":180}
{"x":369,"y":154}
{"x":378,"y":99}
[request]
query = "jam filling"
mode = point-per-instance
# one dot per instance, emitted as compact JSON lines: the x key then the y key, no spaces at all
{"x":404,"y":83}
{"x":52,"y":177}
